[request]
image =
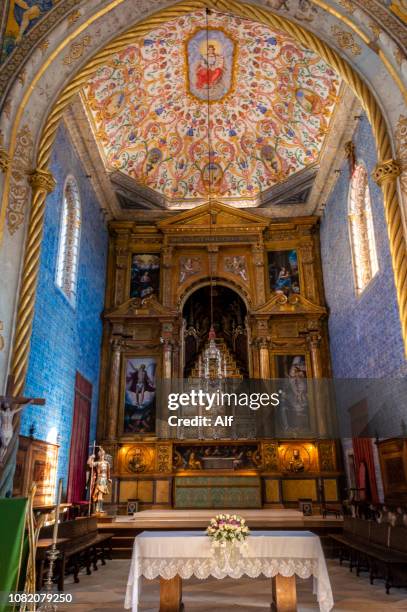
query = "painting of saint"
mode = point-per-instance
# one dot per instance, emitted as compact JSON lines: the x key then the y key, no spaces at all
{"x":294,"y":405}
{"x":210,"y":64}
{"x":22,"y":16}
{"x":283,"y":272}
{"x":145,"y":275}
{"x":139,"y":407}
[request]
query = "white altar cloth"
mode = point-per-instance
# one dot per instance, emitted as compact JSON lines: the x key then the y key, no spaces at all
{"x":189,"y":553}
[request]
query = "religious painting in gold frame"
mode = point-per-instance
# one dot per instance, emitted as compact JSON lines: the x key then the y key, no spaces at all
{"x":145,"y":275}
{"x":293,"y":368}
{"x":283,"y":271}
{"x":140,"y":373}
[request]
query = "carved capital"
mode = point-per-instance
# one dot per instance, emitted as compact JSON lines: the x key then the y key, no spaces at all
{"x":117,"y":344}
{"x":388,"y":170}
{"x":4,"y":160}
{"x":42,"y":180}
{"x":263,"y":342}
{"x":314,"y":339}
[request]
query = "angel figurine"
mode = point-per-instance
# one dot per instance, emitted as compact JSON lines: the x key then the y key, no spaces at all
{"x":100,"y":479}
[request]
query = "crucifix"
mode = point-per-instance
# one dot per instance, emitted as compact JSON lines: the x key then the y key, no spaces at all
{"x":7,"y":413}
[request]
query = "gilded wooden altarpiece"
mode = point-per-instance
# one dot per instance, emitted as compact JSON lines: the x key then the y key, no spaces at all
{"x":230,"y":246}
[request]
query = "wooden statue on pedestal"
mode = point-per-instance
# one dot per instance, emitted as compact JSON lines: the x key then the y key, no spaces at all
{"x":99,"y":480}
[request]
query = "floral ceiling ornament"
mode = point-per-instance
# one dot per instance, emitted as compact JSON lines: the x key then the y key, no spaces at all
{"x":271,"y":103}
{"x":345,"y":40}
{"x":77,"y":49}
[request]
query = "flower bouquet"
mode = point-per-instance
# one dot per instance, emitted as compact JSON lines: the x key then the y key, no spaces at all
{"x":227,"y":528}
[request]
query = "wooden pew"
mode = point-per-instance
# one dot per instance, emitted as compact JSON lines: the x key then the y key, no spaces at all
{"x":80,"y":545}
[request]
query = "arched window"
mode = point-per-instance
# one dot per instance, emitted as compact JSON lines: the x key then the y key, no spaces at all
{"x":68,"y":252}
{"x":363,"y":244}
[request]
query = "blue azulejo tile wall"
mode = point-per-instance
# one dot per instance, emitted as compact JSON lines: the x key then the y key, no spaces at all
{"x":66,"y":338}
{"x":365,"y":332}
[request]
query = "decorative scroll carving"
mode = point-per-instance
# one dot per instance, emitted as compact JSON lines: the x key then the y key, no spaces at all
{"x":164,"y":459}
{"x":19,"y":188}
{"x":4,"y":160}
{"x":270,"y":457}
{"x":326,"y":457}
{"x":345,"y":40}
{"x":386,"y":171}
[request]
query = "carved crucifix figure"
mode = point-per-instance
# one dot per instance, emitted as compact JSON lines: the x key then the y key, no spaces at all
{"x":10,"y":405}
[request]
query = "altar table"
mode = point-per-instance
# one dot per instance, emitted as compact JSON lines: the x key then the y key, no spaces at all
{"x":280,"y":555}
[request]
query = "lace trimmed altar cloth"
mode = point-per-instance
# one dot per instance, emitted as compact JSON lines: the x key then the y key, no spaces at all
{"x":189,"y":553}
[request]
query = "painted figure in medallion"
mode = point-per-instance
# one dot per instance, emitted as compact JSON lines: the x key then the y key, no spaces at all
{"x":210,"y":64}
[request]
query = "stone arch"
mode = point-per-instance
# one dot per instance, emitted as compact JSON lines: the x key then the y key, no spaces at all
{"x":218,"y":280}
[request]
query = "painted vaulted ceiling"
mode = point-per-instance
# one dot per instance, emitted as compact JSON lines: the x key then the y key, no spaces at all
{"x":267,"y":100}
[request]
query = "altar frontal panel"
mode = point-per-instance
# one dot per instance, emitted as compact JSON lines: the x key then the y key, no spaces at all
{"x":217,"y":492}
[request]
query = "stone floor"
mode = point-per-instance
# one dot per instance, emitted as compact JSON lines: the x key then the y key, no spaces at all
{"x":103,"y":591}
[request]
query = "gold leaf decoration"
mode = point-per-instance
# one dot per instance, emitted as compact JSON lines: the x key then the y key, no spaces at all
{"x":345,"y":40}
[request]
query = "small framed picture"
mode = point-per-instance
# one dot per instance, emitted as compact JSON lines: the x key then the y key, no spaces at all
{"x":305,"y":506}
{"x":132,"y":506}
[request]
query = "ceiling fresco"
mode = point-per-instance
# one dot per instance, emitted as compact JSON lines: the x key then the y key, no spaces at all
{"x":269,"y":102}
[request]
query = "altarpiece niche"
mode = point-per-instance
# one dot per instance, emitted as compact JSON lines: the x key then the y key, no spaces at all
{"x":263,"y":281}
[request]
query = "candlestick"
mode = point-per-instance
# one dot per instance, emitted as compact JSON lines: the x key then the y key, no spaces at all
{"x":57,"y":510}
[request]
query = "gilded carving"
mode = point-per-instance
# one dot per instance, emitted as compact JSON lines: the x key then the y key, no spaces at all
{"x":77,"y":49}
{"x":345,"y":40}
{"x":4,"y":160}
{"x":164,"y":458}
{"x":326,"y":457}
{"x":270,"y":457}
{"x":348,"y":6}
{"x":19,"y":188}
{"x":73,"y":17}
{"x":386,"y":171}
{"x":401,"y":145}
{"x":43,"y":46}
{"x":139,"y":459}
{"x":42,"y":180}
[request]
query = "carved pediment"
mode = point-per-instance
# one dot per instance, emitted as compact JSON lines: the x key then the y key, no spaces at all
{"x":137,"y":307}
{"x":216,"y":216}
{"x":292,"y":304}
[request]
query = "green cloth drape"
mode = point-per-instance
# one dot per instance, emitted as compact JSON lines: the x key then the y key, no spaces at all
{"x":12,"y":549}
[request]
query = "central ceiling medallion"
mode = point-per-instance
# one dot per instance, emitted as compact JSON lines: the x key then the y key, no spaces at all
{"x":210,"y":58}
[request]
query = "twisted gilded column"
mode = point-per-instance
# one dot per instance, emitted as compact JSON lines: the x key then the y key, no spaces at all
{"x":386,"y":174}
{"x":42,"y":182}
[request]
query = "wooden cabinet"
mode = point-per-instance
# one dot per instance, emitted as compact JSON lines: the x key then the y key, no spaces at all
{"x":36,"y":462}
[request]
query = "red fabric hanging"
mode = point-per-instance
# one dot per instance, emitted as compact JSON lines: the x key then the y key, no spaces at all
{"x":79,"y":440}
{"x":363,"y":453}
